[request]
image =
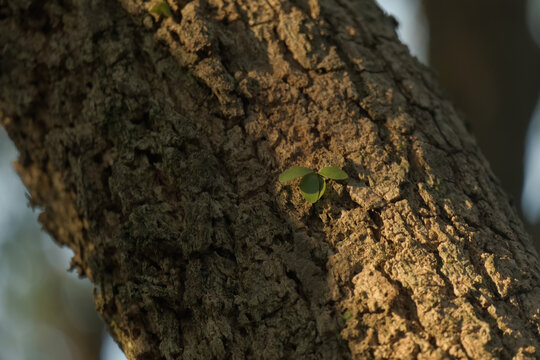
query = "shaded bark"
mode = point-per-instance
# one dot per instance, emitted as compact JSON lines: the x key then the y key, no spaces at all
{"x":153,"y":145}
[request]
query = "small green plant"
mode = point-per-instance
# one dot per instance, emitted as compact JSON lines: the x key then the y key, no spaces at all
{"x":161,"y":9}
{"x":313,"y":184}
{"x":347,"y":315}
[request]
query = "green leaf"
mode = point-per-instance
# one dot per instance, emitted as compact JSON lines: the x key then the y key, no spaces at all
{"x":311,"y":187}
{"x":293,"y":173}
{"x":333,"y":173}
{"x":347,"y":315}
{"x":322,"y":186}
{"x":162,"y":9}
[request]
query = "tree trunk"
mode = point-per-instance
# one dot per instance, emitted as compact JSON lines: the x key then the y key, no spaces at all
{"x":153,"y":144}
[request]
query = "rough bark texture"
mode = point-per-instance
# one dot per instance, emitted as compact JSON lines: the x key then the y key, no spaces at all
{"x":154,"y":144}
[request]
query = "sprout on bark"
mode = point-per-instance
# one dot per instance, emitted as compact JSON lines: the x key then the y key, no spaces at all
{"x":313,"y":184}
{"x":161,"y":9}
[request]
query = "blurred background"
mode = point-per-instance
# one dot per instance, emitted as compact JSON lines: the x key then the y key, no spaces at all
{"x":486,"y":55}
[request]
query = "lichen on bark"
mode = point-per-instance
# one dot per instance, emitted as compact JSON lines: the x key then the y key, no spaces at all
{"x":154,"y":143}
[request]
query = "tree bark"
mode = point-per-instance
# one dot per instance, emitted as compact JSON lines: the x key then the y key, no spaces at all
{"x":153,"y":146}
